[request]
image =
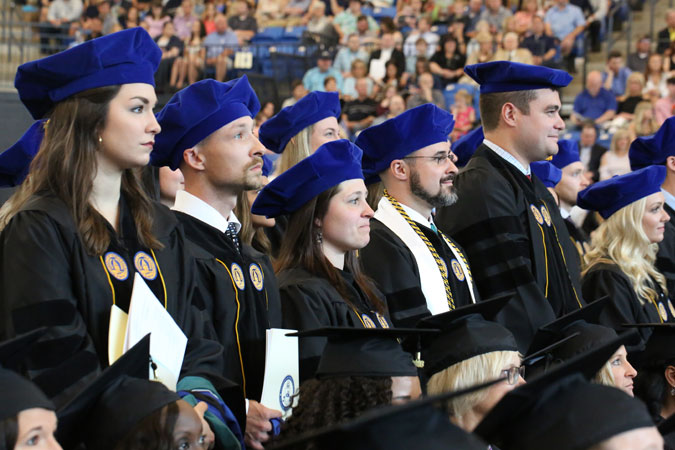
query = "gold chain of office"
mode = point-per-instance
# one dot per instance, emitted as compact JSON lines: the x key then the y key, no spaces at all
{"x":439,"y":262}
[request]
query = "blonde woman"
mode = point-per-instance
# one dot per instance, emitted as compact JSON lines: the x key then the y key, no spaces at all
{"x":297,"y":131}
{"x":577,"y":333}
{"x":620,"y":263}
{"x":615,"y":161}
{"x":644,"y":123}
{"x":471,"y":350}
{"x":633,"y":95}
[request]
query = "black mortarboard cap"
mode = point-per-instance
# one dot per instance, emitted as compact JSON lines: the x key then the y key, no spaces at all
{"x":122,"y":407}
{"x":366,"y":352}
{"x":659,"y":348}
{"x":17,"y":392}
{"x":465,"y":332}
{"x":413,"y":425}
{"x":561,"y":410}
{"x":574,"y":334}
{"x":108,"y":408}
{"x":562,"y":327}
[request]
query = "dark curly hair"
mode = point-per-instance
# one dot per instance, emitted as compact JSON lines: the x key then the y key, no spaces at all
{"x":652,"y":388}
{"x":154,"y":432}
{"x":334,"y":400}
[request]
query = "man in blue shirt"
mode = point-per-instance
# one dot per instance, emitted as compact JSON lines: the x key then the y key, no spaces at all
{"x":314,"y":77}
{"x":594,"y":103}
{"x":565,"y":22}
{"x":541,"y":46}
{"x":220,"y":46}
{"x":616,"y":74}
{"x":346,"y":55}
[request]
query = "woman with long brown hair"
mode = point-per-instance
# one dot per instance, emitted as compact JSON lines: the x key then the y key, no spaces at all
{"x":80,"y":226}
{"x":320,"y":279}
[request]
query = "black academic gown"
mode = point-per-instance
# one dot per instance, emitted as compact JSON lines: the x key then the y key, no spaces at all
{"x":513,"y":233}
{"x":389,"y":261}
{"x":665,"y":258}
{"x":608,"y":279}
{"x":668,"y":438}
{"x":47,"y":279}
{"x":309,"y":302}
{"x":241,"y":308}
{"x":578,"y":238}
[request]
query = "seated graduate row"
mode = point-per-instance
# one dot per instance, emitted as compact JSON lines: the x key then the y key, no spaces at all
{"x":80,"y":224}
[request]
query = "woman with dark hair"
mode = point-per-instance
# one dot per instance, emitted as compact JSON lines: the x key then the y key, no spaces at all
{"x":655,"y":383}
{"x":122,"y":410}
{"x":156,"y":19}
{"x":137,"y":414}
{"x":80,"y":227}
{"x":393,"y":76}
{"x":320,"y":278}
{"x":27,"y":418}
{"x":448,"y":62}
{"x":172,"y":50}
{"x":192,"y":61}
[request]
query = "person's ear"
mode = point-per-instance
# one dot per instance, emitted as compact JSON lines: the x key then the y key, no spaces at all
{"x":194,"y":158}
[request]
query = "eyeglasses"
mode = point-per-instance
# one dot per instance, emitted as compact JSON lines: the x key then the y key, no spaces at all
{"x":514,"y":374}
{"x":438,"y":159}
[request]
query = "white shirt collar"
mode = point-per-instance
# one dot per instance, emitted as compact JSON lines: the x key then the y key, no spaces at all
{"x":508,"y":157}
{"x":199,"y":209}
{"x":564,"y":213}
{"x":416,"y":216}
{"x":670,"y":198}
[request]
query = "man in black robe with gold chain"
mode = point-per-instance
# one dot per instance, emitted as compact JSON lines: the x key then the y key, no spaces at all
{"x":506,"y":219}
{"x":420,"y":270}
{"x":208,"y":134}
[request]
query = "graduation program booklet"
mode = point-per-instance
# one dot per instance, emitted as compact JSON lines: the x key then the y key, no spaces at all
{"x":167,"y":340}
{"x":281,"y":371}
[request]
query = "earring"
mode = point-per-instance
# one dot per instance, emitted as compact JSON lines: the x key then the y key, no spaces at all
{"x":100,"y":139}
{"x":672,"y":392}
{"x":319,"y":237}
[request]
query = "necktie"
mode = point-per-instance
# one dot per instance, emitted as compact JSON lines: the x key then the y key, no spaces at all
{"x":231,"y":232}
{"x":433,"y":228}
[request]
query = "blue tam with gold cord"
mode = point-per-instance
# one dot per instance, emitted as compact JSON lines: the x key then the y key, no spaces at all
{"x":506,"y":76}
{"x":195,"y":112}
{"x":568,"y":153}
{"x":313,"y":107}
{"x":466,"y":146}
{"x":609,"y":196}
{"x":333,"y":163}
{"x":15,"y":161}
{"x":549,"y":174}
{"x":128,"y":56}
{"x":646,"y":151}
{"x":398,"y":137}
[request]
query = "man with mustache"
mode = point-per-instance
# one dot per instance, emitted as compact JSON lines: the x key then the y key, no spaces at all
{"x":208,"y":134}
{"x":505,"y":218}
{"x":420,"y":270}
